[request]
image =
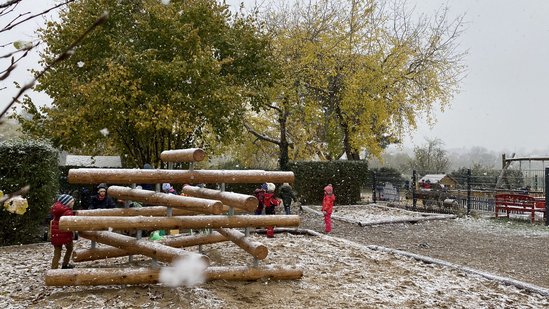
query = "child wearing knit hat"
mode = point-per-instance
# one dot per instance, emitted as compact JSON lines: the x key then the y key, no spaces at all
{"x":62,"y":207}
{"x":328,"y":206}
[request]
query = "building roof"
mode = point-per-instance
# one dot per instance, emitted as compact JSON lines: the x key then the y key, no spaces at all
{"x":432,"y":178}
{"x":92,"y":161}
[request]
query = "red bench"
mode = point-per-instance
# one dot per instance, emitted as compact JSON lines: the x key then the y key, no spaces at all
{"x":519,"y":204}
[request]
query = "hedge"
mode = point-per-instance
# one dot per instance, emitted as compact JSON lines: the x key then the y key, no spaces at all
{"x":347,"y":178}
{"x":27,"y":162}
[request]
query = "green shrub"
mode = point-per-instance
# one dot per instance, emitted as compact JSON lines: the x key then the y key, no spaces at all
{"x":347,"y":177}
{"x":27,"y":162}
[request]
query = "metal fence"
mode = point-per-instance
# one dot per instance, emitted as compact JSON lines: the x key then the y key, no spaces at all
{"x":472,"y":192}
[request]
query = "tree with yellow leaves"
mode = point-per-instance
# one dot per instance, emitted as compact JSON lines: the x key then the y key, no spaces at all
{"x":358,"y":73}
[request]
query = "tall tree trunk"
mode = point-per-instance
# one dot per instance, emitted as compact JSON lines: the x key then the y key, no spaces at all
{"x":283,"y":145}
{"x":352,"y":153}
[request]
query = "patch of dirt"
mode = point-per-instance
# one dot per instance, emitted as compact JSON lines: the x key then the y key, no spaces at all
{"x":515,"y":248}
{"x":337,"y":272}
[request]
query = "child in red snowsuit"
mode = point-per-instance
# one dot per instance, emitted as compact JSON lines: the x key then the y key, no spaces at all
{"x":62,"y":207}
{"x":270,"y":202}
{"x":328,"y":206}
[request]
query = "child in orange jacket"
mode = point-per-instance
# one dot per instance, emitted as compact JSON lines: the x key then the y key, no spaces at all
{"x":328,"y":206}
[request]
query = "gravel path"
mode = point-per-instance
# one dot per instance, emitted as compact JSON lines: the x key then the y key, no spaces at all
{"x":512,"y":249}
{"x":338,"y":272}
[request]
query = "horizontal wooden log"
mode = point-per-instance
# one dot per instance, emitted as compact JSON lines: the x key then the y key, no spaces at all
{"x":148,"y":211}
{"x":237,"y":200}
{"x":132,"y":245}
{"x":172,"y":200}
{"x":182,"y":241}
{"x":244,"y":273}
{"x":183,"y":155}
{"x":179,"y":241}
{"x":101,"y":276}
{"x":256,"y":249}
{"x":101,"y":253}
{"x":79,"y":223}
{"x":131,"y":176}
{"x":122,"y":276}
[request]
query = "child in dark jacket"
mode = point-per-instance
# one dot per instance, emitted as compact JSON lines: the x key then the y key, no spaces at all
{"x":328,"y":206}
{"x":259,"y":193}
{"x":62,"y":207}
{"x":286,"y":193}
{"x":101,"y":199}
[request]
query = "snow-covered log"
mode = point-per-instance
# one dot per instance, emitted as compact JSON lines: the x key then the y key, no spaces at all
{"x":237,"y":200}
{"x":120,"y":276}
{"x":101,"y":253}
{"x":80,"y":223}
{"x":177,"y":201}
{"x":256,"y":249}
{"x":131,"y":176}
{"x":183,"y":155}
{"x":239,"y":273}
{"x":154,"y":211}
{"x":182,"y":241}
{"x":132,"y":245}
{"x":179,"y":241}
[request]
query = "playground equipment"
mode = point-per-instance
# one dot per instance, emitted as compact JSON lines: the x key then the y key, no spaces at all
{"x":200,"y":209}
{"x":530,"y":170}
{"x":112,"y":276}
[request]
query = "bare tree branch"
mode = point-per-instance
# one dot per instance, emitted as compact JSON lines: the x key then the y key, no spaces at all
{"x":261,"y":136}
{"x":13,"y":22}
{"x":9,"y":3}
{"x":5,"y":73}
{"x":65,"y":55}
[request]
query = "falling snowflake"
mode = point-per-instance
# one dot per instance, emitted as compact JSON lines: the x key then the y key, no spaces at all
{"x":80,"y":64}
{"x":165,"y":2}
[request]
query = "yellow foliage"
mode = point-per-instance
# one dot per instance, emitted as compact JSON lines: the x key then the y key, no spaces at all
{"x":16,"y":205}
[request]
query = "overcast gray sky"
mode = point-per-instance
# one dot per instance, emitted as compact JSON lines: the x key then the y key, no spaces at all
{"x":502,"y":104}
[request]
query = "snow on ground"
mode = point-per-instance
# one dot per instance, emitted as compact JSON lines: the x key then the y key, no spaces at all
{"x":337,"y":274}
{"x":372,"y":214}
